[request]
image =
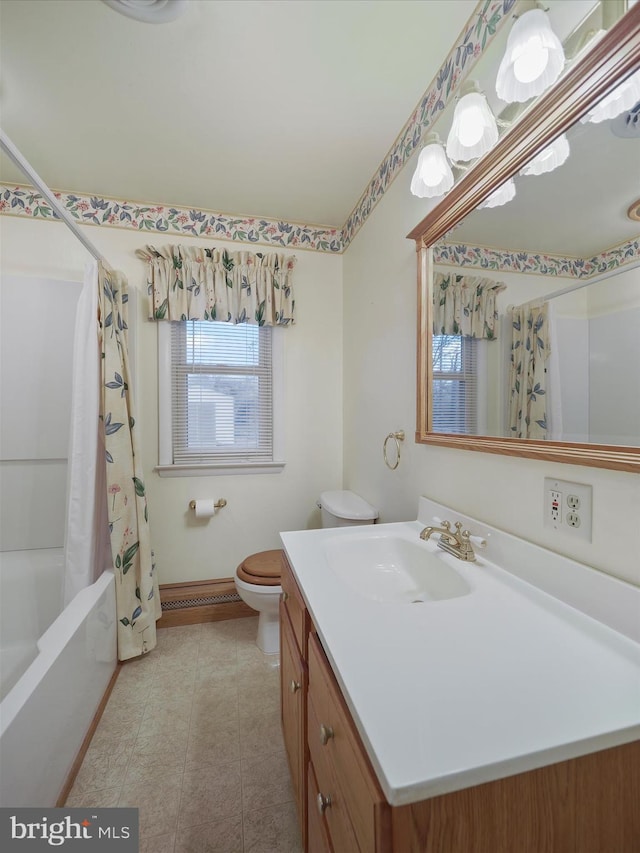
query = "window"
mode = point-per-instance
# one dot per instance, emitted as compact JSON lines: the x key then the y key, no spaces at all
{"x":219,"y":397}
{"x":455,"y":384}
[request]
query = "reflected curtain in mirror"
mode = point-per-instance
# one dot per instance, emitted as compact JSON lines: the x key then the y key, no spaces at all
{"x":528,"y":370}
{"x":465,"y":305}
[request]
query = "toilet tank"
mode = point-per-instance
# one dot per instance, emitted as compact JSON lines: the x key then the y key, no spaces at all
{"x":344,"y":508}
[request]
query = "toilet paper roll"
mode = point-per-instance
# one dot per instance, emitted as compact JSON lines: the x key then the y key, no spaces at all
{"x":205,"y":508}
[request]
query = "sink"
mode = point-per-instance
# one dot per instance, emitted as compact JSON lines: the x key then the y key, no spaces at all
{"x":394,"y":570}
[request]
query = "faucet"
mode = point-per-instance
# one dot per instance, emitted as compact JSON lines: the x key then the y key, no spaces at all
{"x":457,"y":543}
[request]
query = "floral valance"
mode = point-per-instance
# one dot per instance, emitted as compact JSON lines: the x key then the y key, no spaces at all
{"x":189,"y":283}
{"x":465,"y":305}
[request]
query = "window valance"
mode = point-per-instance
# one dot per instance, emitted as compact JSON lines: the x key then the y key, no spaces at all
{"x":189,"y":283}
{"x":465,"y":305}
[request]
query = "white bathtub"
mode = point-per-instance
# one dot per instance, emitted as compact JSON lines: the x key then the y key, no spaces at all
{"x":58,"y":665}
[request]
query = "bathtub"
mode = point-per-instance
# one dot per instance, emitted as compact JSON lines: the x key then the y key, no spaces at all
{"x":56,"y":665}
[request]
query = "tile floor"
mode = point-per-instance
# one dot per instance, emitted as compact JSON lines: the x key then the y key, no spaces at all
{"x":191,"y":736}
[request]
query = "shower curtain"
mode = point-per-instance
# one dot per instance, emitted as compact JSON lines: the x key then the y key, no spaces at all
{"x":107,"y":515}
{"x":85,"y":553}
{"x":137,"y":595}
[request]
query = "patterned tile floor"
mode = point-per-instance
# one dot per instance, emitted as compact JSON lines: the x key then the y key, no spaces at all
{"x":191,"y":737}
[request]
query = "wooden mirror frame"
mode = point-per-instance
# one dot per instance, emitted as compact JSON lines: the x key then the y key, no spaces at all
{"x":609,"y":62}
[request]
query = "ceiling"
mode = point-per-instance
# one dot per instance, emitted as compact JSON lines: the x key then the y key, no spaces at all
{"x":277,"y":108}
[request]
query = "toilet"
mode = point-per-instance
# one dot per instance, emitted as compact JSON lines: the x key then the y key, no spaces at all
{"x":257,"y":577}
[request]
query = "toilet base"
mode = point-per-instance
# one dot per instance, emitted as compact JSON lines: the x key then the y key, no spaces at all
{"x":268,"y":639}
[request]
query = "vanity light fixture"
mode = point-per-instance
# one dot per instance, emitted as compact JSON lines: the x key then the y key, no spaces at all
{"x":149,"y":11}
{"x":623,"y":98}
{"x":500,"y":196}
{"x":533,"y":60}
{"x":549,"y":158}
{"x":433,"y":176}
{"x":474,"y":130}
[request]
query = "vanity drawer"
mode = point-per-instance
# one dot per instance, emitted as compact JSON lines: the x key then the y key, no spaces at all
{"x":336,"y":750}
{"x":294,"y":605}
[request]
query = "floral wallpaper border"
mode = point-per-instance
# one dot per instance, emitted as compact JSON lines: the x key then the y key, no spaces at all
{"x":478,"y":35}
{"x":94,"y":210}
{"x":482,"y":257}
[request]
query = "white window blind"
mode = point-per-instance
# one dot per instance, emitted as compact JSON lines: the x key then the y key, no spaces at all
{"x":221,"y":393}
{"x":455,"y":384}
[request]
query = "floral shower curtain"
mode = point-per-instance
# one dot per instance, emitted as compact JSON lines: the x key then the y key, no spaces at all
{"x":137,"y":596}
{"x":188,"y":283}
{"x":465,"y":305}
{"x":530,"y":351}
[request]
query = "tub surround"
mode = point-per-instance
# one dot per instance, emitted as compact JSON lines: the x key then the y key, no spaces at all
{"x":539,"y":663}
{"x":46,"y":714}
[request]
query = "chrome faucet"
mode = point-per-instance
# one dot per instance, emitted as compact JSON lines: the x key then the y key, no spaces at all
{"x":457,"y":543}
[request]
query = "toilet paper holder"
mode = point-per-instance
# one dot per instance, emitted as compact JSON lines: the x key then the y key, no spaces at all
{"x":217,"y":505}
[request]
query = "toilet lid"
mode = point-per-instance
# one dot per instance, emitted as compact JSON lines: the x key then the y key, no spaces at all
{"x":262,"y":568}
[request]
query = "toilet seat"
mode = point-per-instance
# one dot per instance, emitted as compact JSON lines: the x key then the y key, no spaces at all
{"x":261,"y":569}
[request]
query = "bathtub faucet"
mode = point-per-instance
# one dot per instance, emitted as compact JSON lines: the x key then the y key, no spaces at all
{"x":457,"y":543}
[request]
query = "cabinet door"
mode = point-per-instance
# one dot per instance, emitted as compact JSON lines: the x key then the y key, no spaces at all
{"x":293,"y":697}
{"x":294,"y":606}
{"x":340,"y":761}
{"x":317,"y":837}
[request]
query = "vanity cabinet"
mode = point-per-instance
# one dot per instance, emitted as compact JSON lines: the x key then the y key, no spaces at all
{"x":293,"y":686}
{"x":584,"y":805}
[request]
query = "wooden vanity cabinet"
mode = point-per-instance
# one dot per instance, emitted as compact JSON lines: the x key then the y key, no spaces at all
{"x":585,"y":805}
{"x":293,"y":687}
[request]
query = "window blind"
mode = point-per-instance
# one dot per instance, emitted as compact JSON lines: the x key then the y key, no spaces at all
{"x":455,"y":384}
{"x":221,"y":393}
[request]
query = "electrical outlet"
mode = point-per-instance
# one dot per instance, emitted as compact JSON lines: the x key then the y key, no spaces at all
{"x":567,"y":507}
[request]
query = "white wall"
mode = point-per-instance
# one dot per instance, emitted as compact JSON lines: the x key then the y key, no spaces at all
{"x":35,"y":400}
{"x":259,"y":506}
{"x":380,"y":392}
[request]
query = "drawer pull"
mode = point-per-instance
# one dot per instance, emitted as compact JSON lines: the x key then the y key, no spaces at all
{"x":284,"y":596}
{"x":323,"y":802}
{"x":294,"y":686}
{"x":326,"y":733}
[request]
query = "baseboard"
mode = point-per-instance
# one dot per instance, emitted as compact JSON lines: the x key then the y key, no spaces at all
{"x":200,"y":601}
{"x":77,"y":764}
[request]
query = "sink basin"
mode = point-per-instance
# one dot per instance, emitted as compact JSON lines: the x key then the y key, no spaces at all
{"x":393,"y":570}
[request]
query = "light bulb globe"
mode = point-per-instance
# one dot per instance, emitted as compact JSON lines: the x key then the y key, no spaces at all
{"x":502,"y":195}
{"x":433,"y":176}
{"x":550,"y":158}
{"x":474,"y":130}
{"x":533,"y":59}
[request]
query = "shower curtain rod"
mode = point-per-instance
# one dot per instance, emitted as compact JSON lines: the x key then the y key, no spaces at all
{"x":27,"y":169}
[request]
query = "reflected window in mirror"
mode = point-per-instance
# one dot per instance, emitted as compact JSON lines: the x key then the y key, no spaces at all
{"x":458,"y":403}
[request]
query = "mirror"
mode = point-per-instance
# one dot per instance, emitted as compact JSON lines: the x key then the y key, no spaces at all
{"x":580,"y":254}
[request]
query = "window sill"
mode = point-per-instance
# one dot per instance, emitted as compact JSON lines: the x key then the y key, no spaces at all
{"x":229,"y":469}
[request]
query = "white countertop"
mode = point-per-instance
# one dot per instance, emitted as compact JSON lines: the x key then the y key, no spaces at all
{"x":453,"y":693}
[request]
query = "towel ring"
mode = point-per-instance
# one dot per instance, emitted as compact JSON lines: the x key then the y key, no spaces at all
{"x":397,"y":437}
